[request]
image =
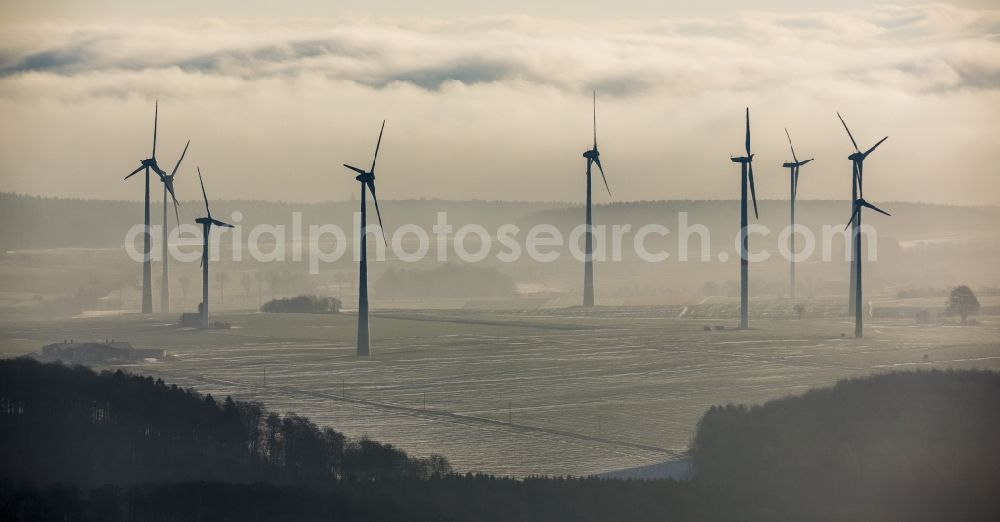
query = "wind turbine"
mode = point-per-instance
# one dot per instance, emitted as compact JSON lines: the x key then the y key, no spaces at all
{"x":746,"y":173}
{"x":147,"y":164}
{"x":168,"y":186}
{"x":206,"y":227}
{"x":593,"y":157}
{"x":857,"y":203}
{"x":367,"y":179}
{"x":793,"y":168}
{"x":857,"y":168}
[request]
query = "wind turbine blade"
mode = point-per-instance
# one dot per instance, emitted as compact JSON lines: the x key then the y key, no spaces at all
{"x":795,"y":183}
{"x":853,"y":215}
{"x":168,"y":181}
{"x":861,"y":178}
{"x":156,"y":118}
{"x":748,"y":132}
{"x":790,"y":145}
{"x":218,"y":223}
{"x":854,"y":174}
{"x":803,"y":162}
{"x":202,"y":181}
{"x":169,"y":184}
{"x":869,"y":151}
{"x":873,"y":207}
{"x":377,"y":145}
{"x":371,"y":187}
{"x":355,"y":169}
{"x":159,"y":172}
{"x":848,"y":132}
{"x":599,"y":167}
{"x":753,"y":192}
{"x":179,"y":160}
{"x":136,"y":171}
{"x":595,"y":124}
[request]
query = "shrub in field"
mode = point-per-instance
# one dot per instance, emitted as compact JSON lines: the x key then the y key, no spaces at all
{"x":303,"y":304}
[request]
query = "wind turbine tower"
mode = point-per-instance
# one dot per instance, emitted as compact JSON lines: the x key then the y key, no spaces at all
{"x":793,"y":169}
{"x":206,"y":227}
{"x":367,"y":180}
{"x":168,"y":187}
{"x":746,"y":174}
{"x":593,"y":157}
{"x":147,"y":165}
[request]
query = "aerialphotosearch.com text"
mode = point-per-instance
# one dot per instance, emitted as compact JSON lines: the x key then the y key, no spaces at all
{"x":508,"y":243}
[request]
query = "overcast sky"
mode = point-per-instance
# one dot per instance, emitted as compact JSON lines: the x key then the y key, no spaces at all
{"x":493,"y":102}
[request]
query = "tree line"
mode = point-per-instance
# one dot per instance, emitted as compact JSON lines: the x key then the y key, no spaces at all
{"x":75,"y":426}
{"x":894,"y":446}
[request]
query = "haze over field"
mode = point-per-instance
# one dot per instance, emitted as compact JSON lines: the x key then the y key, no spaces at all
{"x":79,"y":246}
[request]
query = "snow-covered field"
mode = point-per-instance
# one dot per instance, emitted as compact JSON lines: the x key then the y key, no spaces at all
{"x":518,"y":393}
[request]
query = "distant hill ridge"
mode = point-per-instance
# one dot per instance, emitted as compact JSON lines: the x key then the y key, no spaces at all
{"x":29,"y":222}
